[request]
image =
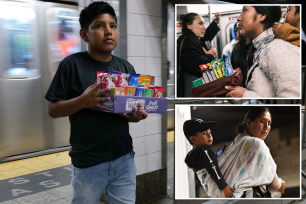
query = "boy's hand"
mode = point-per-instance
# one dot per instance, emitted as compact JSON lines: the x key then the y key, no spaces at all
{"x":228,"y":191}
{"x":135,"y":116}
{"x":276,"y":26}
{"x":283,"y":186}
{"x":91,"y":97}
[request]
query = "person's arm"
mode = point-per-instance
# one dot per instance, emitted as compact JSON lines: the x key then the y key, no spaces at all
{"x":277,"y":184}
{"x":212,"y":30}
{"x":191,"y":56}
{"x":90,"y":98}
{"x":287,"y":33}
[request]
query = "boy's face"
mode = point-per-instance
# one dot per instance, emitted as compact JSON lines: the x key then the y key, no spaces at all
{"x":290,"y":16}
{"x":102,"y":34}
{"x":202,"y":138}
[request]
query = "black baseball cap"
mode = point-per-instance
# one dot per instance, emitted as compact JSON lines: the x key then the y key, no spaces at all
{"x":191,"y":127}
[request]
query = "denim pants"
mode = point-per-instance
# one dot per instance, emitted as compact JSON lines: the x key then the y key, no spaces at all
{"x":118,"y":177}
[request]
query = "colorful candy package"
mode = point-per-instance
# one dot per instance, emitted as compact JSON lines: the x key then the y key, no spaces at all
{"x":158,"y":91}
{"x":130,"y":90}
{"x":117,"y":91}
{"x":152,"y":82}
{"x":140,"y":91}
{"x":123,"y":80}
{"x":133,"y":79}
{"x":149,"y":93}
{"x":144,"y":81}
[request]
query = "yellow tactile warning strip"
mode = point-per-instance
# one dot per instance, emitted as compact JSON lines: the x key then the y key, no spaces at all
{"x":170,"y":136}
{"x":33,"y":165}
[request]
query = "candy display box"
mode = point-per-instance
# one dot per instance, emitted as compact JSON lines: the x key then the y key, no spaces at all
{"x":124,"y":104}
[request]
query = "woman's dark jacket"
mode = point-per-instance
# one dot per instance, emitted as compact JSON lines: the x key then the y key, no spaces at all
{"x":191,"y":56}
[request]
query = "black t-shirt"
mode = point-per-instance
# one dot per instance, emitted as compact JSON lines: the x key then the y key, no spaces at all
{"x":95,"y":136}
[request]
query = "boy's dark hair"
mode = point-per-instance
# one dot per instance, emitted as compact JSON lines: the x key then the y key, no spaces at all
{"x":297,"y":10}
{"x":93,"y":10}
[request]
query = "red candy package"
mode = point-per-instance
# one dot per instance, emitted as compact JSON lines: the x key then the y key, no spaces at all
{"x":158,"y":91}
{"x":123,"y":80}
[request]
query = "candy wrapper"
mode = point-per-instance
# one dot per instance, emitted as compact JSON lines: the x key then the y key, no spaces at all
{"x":152,"y":82}
{"x":130,"y":90}
{"x":149,"y":93}
{"x":140,"y":91}
{"x":123,"y":80}
{"x":133,"y":79}
{"x":144,"y":81}
{"x":158,"y":91}
{"x":227,"y":63}
{"x":117,"y":91}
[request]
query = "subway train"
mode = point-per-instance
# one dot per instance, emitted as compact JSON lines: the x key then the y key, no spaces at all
{"x":34,"y":37}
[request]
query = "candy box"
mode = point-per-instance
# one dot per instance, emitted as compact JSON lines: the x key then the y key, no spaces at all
{"x":124,"y":104}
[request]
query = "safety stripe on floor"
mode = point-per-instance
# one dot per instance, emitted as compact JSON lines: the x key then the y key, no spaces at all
{"x":32,"y":165}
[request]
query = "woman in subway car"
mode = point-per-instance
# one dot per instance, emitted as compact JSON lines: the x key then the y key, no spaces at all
{"x":247,"y":164}
{"x":272,"y":66}
{"x":192,"y":51}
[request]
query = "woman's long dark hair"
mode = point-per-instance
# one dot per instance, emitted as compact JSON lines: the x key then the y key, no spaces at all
{"x":273,"y":14}
{"x":188,"y":20}
{"x":252,"y":114}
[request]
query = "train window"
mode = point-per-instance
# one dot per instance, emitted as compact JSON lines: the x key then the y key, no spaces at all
{"x":63,"y":35}
{"x":18,"y":26}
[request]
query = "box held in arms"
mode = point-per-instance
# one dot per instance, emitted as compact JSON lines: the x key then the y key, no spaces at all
{"x":124,"y":104}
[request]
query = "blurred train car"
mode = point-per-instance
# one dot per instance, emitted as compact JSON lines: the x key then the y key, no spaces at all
{"x":34,"y":37}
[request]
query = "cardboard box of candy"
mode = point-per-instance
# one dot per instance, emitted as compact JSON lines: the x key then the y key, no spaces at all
{"x":124,"y":104}
{"x":127,"y":90}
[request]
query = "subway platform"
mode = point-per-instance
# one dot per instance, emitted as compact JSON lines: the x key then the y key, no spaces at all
{"x":46,"y":180}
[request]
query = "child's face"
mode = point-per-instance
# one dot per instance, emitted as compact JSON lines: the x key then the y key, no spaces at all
{"x":203,"y":138}
{"x":290,"y":16}
{"x":103,"y":34}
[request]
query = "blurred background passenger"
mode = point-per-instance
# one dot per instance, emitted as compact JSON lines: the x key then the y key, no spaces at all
{"x":227,"y":50}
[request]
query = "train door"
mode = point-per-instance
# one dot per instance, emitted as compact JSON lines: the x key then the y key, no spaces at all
{"x":60,"y":29}
{"x":21,"y":121}
{"x":227,"y":21}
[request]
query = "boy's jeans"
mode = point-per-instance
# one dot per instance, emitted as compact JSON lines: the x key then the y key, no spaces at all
{"x":118,"y":177}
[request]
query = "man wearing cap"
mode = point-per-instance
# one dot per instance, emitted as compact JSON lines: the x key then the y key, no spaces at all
{"x":201,"y":159}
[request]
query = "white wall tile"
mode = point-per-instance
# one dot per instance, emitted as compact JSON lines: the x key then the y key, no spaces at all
{"x":137,"y":129}
{"x":152,"y":26}
{"x":153,"y":143}
{"x":152,"y":47}
{"x":135,"y":46}
{"x":158,"y":81}
{"x":152,"y":125}
{"x":136,"y":6}
{"x":138,"y":63}
{"x":153,"y":7}
{"x":153,"y":66}
{"x":139,"y":145}
{"x":136,"y":24}
{"x":154,"y":161}
{"x":141,"y":163}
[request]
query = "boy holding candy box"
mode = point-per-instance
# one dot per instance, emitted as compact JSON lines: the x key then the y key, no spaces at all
{"x":98,"y":139}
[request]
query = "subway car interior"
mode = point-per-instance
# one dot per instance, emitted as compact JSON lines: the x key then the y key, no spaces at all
{"x":35,"y":36}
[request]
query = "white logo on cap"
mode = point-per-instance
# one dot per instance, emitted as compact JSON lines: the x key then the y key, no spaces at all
{"x":199,"y":120}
